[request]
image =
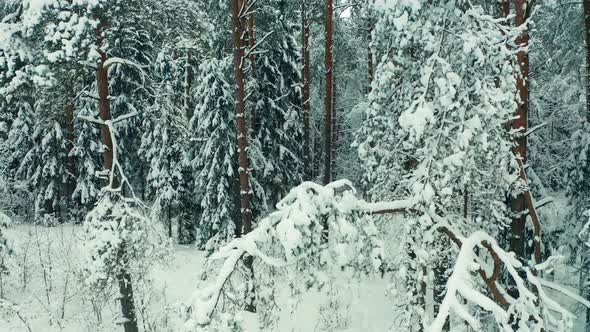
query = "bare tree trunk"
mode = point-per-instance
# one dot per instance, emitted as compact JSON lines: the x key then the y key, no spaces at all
{"x":71,"y":185}
{"x":328,"y":99}
{"x":242,"y":136}
{"x":127,"y":302}
{"x":518,"y":203}
{"x":246,"y":213}
{"x":104,"y":110}
{"x":305,"y":93}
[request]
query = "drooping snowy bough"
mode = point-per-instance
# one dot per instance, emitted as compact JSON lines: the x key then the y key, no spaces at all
{"x":319,"y":231}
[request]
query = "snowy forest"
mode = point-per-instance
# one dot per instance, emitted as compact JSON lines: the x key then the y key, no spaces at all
{"x":294,"y":165}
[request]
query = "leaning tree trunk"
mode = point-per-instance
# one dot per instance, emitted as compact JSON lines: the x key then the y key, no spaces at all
{"x":520,"y":125}
{"x":104,"y":112}
{"x":328,"y":99}
{"x":305,"y":93}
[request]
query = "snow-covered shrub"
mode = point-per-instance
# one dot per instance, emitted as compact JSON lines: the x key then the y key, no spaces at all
{"x":119,"y":237}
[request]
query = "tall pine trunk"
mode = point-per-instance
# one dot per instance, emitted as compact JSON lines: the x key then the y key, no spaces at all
{"x":305,"y":93}
{"x":520,"y":124}
{"x":104,"y":109}
{"x":245,"y":212}
{"x":242,"y":136}
{"x":328,"y":99}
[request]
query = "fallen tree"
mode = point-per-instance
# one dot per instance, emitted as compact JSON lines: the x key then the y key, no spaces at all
{"x":318,"y":231}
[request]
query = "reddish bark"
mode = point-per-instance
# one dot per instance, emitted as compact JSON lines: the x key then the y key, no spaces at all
{"x":518,"y":203}
{"x":305,"y":93}
{"x":104,"y":105}
{"x":104,"y":111}
{"x":328,"y":99}
{"x":504,"y":8}
{"x":237,"y":41}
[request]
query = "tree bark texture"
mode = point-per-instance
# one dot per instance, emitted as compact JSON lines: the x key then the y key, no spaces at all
{"x":245,"y":211}
{"x":104,"y":105}
{"x":518,"y":203}
{"x":328,"y":99}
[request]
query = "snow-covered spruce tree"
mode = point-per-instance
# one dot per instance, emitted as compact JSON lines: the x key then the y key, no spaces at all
{"x":167,"y":141}
{"x":165,"y":148}
{"x":22,"y":76}
{"x":86,"y":151}
{"x":277,"y":148}
{"x":214,"y":152}
{"x":435,"y":129}
{"x":44,"y":168}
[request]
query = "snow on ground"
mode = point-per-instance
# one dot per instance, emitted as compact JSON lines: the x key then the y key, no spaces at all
{"x":44,"y":292}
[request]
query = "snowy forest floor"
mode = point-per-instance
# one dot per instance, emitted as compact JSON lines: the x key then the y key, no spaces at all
{"x":45,"y":292}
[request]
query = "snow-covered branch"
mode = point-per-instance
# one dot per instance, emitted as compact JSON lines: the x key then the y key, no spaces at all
{"x":287,"y":237}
